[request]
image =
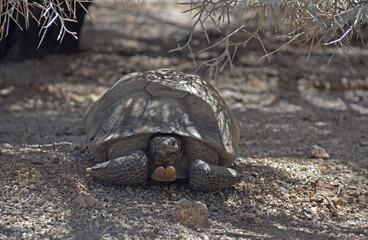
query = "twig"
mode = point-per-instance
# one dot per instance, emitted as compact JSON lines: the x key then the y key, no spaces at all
{"x":331,"y":205}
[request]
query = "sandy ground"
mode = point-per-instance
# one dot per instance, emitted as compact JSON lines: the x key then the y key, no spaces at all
{"x":285,"y":108}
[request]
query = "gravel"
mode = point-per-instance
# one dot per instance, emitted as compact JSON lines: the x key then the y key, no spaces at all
{"x":284,"y":108}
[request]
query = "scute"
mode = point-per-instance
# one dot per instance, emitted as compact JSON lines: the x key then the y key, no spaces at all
{"x":162,"y":101}
{"x":162,"y":91}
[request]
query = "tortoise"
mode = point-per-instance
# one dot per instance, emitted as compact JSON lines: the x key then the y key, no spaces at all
{"x":164,"y":125}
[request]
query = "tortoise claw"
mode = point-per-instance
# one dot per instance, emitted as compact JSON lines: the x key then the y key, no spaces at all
{"x":164,"y":175}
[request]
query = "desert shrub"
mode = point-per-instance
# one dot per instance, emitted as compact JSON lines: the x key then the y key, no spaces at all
{"x":52,"y":11}
{"x":317,"y":22}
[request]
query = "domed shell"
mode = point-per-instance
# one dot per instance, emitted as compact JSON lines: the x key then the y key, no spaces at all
{"x":162,"y":101}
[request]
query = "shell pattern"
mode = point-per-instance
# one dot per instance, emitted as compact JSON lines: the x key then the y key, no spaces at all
{"x":162,"y":101}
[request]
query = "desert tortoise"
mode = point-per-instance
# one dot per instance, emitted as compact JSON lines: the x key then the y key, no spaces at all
{"x":165,"y":125}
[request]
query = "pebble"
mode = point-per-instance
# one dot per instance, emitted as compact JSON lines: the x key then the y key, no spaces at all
{"x":38,"y":161}
{"x":302,"y":180}
{"x":319,"y":152}
{"x":356,"y":193}
{"x":172,"y":188}
{"x":249,"y":216}
{"x":339,"y":201}
{"x":32,"y":187}
{"x":284,"y":216}
{"x":129,"y":190}
{"x":306,"y":214}
{"x":282,"y":189}
{"x":194,"y":213}
{"x":85,"y":200}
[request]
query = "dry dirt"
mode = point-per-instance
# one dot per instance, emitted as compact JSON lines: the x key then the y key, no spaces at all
{"x":285,"y":108}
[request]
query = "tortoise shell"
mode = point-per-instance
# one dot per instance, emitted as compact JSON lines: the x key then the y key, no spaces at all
{"x":165,"y":101}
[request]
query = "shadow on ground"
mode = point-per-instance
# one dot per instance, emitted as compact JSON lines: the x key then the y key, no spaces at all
{"x":285,"y":107}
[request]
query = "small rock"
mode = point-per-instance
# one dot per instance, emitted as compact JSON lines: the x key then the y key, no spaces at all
{"x":319,"y":152}
{"x":38,"y":161}
{"x":193,"y":213}
{"x":306,"y":214}
{"x":85,"y":200}
{"x":172,"y":188}
{"x":339,"y":201}
{"x":129,"y":189}
{"x":6,"y":91}
{"x":282,"y":189}
{"x":356,"y":193}
{"x":249,"y":216}
{"x":363,"y":200}
{"x":302,"y":180}
{"x":31,"y":187}
{"x":323,"y":188}
{"x":7,"y":145}
{"x":284,"y":216}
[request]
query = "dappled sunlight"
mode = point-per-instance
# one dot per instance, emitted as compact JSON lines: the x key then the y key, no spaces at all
{"x":74,"y":93}
{"x":282,"y":107}
{"x":164,"y":101}
{"x":253,"y":88}
{"x":280,"y":191}
{"x":281,"y":187}
{"x":41,"y":113}
{"x":359,"y":108}
{"x":327,"y":100}
{"x":35,"y":191}
{"x":285,"y":108}
{"x":43,"y":184}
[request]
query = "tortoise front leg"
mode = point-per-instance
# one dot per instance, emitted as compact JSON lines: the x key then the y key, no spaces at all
{"x":204,"y":176}
{"x":127,"y":170}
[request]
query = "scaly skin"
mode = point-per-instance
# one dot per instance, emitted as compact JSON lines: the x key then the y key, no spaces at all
{"x":127,"y":170}
{"x":166,"y":150}
{"x":207,"y":177}
{"x":133,"y":169}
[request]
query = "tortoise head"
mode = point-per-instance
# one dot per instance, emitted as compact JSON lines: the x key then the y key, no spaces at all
{"x":166,"y":150}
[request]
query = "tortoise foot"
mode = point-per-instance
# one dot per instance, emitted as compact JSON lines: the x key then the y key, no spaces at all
{"x":207,"y":177}
{"x":128,"y":170}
